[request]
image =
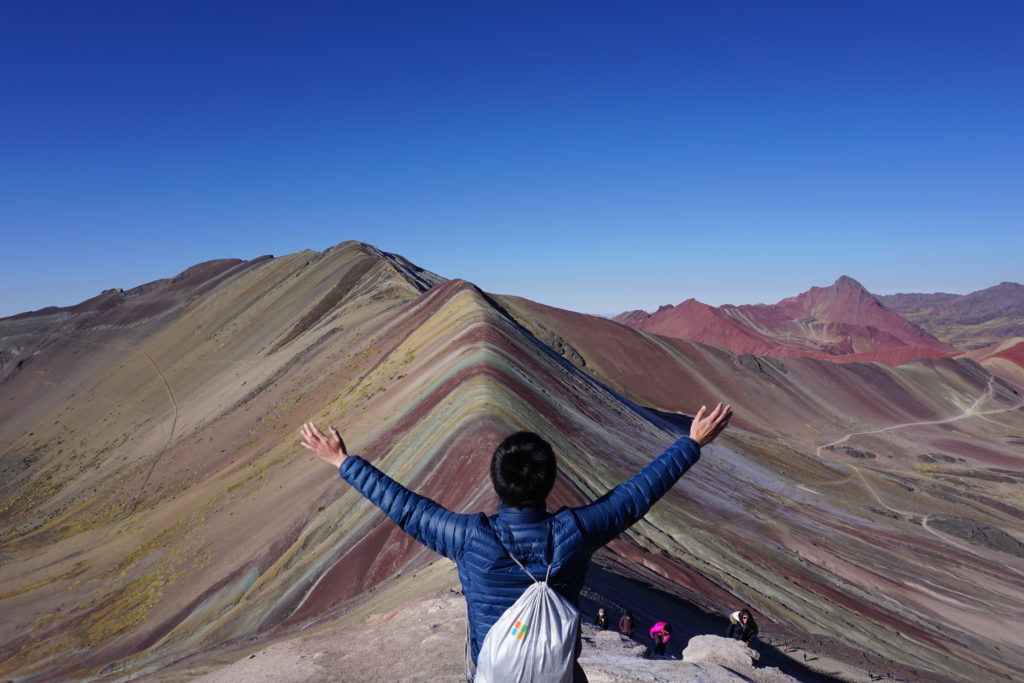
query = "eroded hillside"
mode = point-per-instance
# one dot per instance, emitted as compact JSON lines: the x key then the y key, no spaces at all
{"x":156,"y":502}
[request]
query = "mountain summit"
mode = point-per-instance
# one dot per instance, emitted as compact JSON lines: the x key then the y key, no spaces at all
{"x":840,"y":322}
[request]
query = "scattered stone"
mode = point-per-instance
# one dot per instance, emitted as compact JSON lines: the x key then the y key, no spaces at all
{"x":977,"y":533}
{"x":885,"y":513}
{"x":853,"y":452}
{"x":938,"y":457}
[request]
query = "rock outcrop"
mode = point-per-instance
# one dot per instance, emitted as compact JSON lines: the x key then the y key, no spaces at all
{"x":609,"y":657}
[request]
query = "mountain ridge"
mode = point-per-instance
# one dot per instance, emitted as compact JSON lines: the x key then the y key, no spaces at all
{"x":152,"y":481}
{"x":844,"y":322}
{"x":968,"y":321}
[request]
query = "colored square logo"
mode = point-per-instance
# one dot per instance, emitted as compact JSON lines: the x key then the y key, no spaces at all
{"x":519,"y":630}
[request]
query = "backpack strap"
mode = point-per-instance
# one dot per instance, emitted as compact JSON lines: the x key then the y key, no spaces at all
{"x":551,"y":554}
{"x":470,"y":669}
{"x":521,"y":566}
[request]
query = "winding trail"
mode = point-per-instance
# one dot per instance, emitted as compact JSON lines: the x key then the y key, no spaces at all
{"x":170,"y":435}
{"x":170,"y":395}
{"x":972,"y":410}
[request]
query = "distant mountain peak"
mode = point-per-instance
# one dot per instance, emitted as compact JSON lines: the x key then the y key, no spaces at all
{"x":847,"y":282}
{"x":843,"y":319}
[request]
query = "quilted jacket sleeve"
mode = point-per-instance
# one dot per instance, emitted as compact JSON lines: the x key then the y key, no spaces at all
{"x":436,"y":527}
{"x":621,"y":507}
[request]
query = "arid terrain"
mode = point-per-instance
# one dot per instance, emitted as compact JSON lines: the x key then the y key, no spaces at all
{"x":160,"y":520}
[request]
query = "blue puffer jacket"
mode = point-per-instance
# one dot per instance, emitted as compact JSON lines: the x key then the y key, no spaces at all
{"x":491,"y":581}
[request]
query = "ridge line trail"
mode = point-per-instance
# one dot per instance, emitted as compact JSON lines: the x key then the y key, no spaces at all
{"x":970,"y":411}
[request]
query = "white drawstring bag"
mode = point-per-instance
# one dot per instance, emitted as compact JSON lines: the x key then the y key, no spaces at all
{"x":533,"y":641}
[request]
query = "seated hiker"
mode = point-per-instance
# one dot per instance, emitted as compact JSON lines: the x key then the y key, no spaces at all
{"x":661,"y":633}
{"x":627,"y":624}
{"x":601,"y":619}
{"x":742,"y":626}
{"x":557,"y":545}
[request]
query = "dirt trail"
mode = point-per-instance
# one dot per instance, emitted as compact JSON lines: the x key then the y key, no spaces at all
{"x":970,"y":411}
{"x":170,"y":395}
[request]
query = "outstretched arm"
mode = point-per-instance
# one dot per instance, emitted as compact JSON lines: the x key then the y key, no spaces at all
{"x":621,"y":507}
{"x":707,"y":426}
{"x":331,"y":449}
{"x":433,"y":525}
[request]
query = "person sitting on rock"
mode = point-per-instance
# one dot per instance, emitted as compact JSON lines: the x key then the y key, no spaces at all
{"x":602,"y":619}
{"x":627,"y":624}
{"x":523,"y":470}
{"x":661,"y":633}
{"x":742,"y":626}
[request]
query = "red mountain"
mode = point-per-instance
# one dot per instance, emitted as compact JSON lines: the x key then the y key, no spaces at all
{"x":841,"y":322}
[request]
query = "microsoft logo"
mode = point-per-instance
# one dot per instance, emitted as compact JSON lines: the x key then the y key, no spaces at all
{"x":519,"y":630}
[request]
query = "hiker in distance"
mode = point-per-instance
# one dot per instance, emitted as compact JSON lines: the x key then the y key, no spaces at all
{"x":742,"y":626}
{"x":627,"y":624}
{"x":554,"y":545}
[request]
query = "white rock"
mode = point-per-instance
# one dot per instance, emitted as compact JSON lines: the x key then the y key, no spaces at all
{"x":718,"y":650}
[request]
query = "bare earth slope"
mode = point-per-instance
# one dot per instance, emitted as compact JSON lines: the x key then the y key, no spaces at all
{"x":158,"y":512}
{"x":821,"y":512}
{"x":968,"y":321}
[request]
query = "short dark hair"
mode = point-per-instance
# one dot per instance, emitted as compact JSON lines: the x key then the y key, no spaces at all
{"x":523,"y":470}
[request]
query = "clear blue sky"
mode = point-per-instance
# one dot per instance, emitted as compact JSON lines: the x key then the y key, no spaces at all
{"x":598,"y":156}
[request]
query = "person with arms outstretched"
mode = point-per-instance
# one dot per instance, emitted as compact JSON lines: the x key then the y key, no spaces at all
{"x":523,"y":470}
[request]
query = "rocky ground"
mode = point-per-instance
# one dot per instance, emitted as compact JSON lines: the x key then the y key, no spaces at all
{"x":423,"y":641}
